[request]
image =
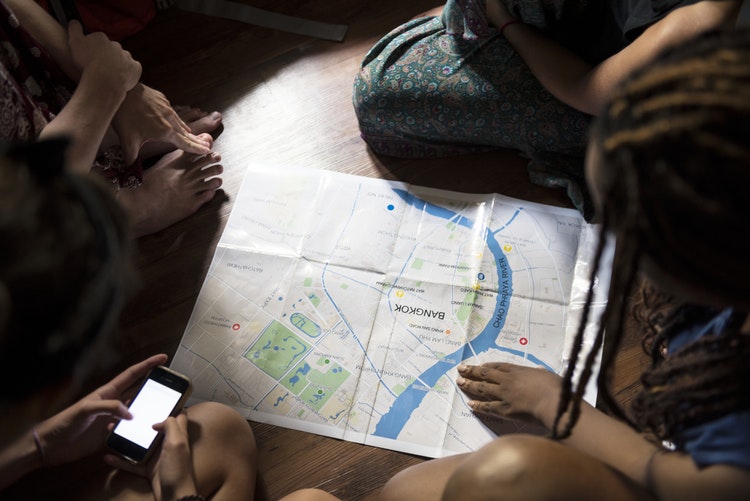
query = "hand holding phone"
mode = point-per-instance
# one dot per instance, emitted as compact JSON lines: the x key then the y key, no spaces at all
{"x":161,"y":395}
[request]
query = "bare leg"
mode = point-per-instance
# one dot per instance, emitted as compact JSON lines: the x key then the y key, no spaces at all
{"x":224,"y":452}
{"x":527,"y":467}
{"x":309,"y":495}
{"x":174,"y":188}
{"x":199,"y":121}
{"x":422,"y":482}
{"x":224,"y":458}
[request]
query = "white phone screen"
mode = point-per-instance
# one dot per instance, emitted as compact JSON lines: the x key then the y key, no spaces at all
{"x":152,"y":405}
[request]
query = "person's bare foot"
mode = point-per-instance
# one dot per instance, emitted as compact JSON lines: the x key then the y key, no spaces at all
{"x":173,"y":188}
{"x":199,"y":121}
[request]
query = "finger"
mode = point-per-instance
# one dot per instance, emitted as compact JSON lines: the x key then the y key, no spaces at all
{"x":175,"y":430}
{"x":501,"y":366}
{"x":132,"y":374}
{"x":164,"y":426}
{"x":75,"y":36}
{"x":202,"y":161}
{"x":178,"y":124}
{"x":187,"y":141}
{"x":173,"y":424}
{"x":75,"y":30}
{"x":491,"y":407}
{"x":480,"y":373}
{"x":479,"y":389}
{"x":182,"y":420}
{"x":197,"y":144}
{"x":191,"y":143}
{"x":110,"y":407}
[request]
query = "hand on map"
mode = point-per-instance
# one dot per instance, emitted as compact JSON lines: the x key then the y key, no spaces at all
{"x":510,"y":391}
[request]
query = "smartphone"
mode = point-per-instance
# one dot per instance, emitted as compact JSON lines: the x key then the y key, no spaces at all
{"x":161,"y":395}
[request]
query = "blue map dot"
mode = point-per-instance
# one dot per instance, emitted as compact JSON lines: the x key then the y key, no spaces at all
{"x":391,"y":206}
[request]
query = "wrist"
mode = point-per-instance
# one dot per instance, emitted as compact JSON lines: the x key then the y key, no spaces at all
{"x":511,"y":21}
{"x":39,"y":446}
{"x":103,"y":86}
{"x":29,"y":455}
{"x":545,"y":409}
{"x":18,"y":459}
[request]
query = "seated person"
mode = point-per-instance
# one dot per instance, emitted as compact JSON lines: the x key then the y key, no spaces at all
{"x":87,"y":87}
{"x":65,"y":271}
{"x":668,"y":164}
{"x":664,"y":156}
{"x":521,"y":74}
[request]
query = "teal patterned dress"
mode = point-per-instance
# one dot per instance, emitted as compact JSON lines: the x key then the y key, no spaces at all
{"x":444,"y":86}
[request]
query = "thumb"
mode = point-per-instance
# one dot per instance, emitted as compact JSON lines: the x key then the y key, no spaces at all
{"x":75,"y":31}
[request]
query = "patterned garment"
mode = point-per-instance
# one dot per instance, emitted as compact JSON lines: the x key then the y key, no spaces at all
{"x":444,"y":86}
{"x":33,"y":90}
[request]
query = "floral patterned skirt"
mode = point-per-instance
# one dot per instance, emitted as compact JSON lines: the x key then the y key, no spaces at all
{"x":444,"y":86}
{"x":34,"y":89}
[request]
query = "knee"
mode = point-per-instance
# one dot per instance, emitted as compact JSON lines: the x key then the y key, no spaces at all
{"x":515,"y":466}
{"x":366,"y":95}
{"x":393,"y":490}
{"x":213,"y":422}
{"x":309,"y":495}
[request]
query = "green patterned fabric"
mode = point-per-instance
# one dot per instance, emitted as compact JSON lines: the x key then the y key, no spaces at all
{"x":450,"y":85}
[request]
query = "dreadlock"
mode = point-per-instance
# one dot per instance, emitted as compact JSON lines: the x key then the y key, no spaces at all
{"x":674,"y":167}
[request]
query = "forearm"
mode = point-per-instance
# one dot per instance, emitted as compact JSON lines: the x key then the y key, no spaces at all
{"x":515,"y":391}
{"x":85,"y":120}
{"x":587,"y":87}
{"x":612,"y":442}
{"x":668,"y":474}
{"x":563,"y":73}
{"x":48,"y":32}
{"x":18,"y":459}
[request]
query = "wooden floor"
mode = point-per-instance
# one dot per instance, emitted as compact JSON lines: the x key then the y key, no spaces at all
{"x":286,"y":101}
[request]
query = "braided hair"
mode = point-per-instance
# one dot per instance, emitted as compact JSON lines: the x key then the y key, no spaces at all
{"x":673,"y":148}
{"x":64,"y":268}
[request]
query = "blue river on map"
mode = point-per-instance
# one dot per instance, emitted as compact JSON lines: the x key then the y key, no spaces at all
{"x":392,"y":422}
